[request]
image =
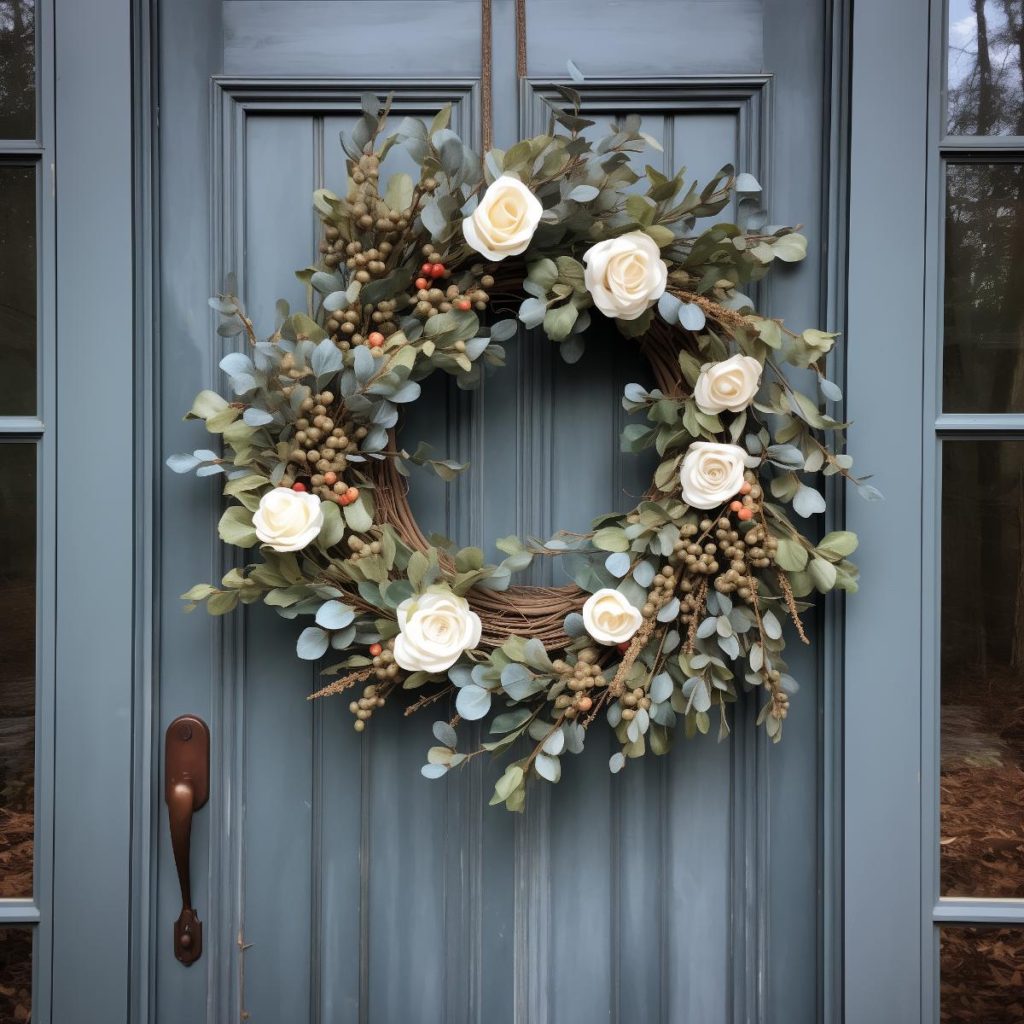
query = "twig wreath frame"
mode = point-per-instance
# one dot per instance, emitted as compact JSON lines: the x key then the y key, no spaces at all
{"x":674,"y":606}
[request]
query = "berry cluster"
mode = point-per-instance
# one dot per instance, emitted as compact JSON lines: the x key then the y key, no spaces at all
{"x":579,"y":679}
{"x":321,"y":444}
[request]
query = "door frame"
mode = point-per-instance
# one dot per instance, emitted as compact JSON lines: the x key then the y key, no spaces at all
{"x":107,"y":731}
{"x":102,"y":529}
{"x":890,"y":962}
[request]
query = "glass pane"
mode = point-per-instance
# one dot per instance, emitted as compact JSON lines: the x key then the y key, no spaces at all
{"x":982,"y":668}
{"x":982,"y":975}
{"x":983,"y":357}
{"x":17,"y":665}
{"x":15,"y":974}
{"x":17,"y":290}
{"x":984,"y":73}
{"x":17,"y":69}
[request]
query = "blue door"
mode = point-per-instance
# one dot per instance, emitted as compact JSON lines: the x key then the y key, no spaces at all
{"x":335,"y":883}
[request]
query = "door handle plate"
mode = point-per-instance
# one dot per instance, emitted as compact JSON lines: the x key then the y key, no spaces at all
{"x":186,"y":790}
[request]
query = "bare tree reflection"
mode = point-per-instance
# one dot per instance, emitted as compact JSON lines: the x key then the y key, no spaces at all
{"x":985,"y":87}
{"x":982,"y":520}
{"x":17,"y":68}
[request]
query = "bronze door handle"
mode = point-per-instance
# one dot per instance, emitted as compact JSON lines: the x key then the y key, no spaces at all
{"x":186,"y":790}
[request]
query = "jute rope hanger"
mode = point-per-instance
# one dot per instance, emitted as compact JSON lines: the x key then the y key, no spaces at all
{"x":487,"y":65}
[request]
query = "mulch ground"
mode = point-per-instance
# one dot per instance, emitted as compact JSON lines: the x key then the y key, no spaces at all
{"x":982,"y":789}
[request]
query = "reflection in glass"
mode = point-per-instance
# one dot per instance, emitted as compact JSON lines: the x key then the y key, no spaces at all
{"x":17,"y":665}
{"x":982,"y":975}
{"x":982,"y":668}
{"x":983,"y":350}
{"x":17,"y":69}
{"x":15,"y":974}
{"x":17,"y":290}
{"x":984,"y":72}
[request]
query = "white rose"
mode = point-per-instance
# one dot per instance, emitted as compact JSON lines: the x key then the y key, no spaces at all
{"x":288,"y":520}
{"x":435,"y":628}
{"x":626,"y":275}
{"x":505,"y":219}
{"x":609,"y":617}
{"x":729,"y":385}
{"x":711,"y":473}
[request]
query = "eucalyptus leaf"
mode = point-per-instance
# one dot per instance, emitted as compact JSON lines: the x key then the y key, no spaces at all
{"x":473,"y":702}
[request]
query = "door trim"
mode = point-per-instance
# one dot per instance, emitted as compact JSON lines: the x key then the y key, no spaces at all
{"x":884,"y":949}
{"x":98,"y":512}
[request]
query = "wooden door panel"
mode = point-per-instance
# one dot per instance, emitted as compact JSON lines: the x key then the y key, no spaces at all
{"x":361,"y":891}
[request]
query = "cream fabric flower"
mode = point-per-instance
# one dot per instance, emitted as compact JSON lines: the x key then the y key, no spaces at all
{"x":626,"y":275}
{"x":711,"y":473}
{"x":609,"y":617}
{"x":505,"y":219}
{"x":728,"y":385}
{"x":434,"y":629}
{"x":288,"y":520}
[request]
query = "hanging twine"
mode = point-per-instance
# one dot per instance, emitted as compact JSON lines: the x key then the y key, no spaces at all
{"x":487,"y":65}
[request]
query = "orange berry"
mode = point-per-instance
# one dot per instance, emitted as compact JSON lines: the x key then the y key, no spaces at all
{"x":426,"y":268}
{"x":375,"y":649}
{"x":463,"y":304}
{"x":352,"y":493}
{"x":745,"y":514}
{"x":422,"y":283}
{"x":437,"y":270}
{"x":745,"y":487}
{"x":330,"y":478}
{"x":376,"y":339}
{"x":735,"y":506}
{"x":298,"y":486}
{"x":584,"y":704}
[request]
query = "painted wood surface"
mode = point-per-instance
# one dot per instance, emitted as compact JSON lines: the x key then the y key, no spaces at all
{"x":684,"y":890}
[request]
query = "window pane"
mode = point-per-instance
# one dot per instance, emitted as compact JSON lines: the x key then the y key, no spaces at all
{"x":17,"y":665}
{"x":15,"y":974}
{"x":982,"y":668}
{"x":983,"y":352}
{"x":17,"y":69}
{"x":17,"y":290}
{"x":982,"y":975}
{"x":986,"y":90}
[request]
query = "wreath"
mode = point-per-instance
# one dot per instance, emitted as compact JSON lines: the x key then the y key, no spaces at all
{"x":675,"y":605}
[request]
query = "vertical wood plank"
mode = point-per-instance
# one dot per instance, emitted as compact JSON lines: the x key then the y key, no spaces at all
{"x":278,"y":740}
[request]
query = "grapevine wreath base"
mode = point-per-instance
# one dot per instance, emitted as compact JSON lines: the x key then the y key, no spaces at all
{"x":674,"y":606}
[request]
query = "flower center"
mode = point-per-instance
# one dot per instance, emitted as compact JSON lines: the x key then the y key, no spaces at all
{"x":729,"y":386}
{"x":714,"y":471}
{"x":506,"y":214}
{"x":437,"y":628}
